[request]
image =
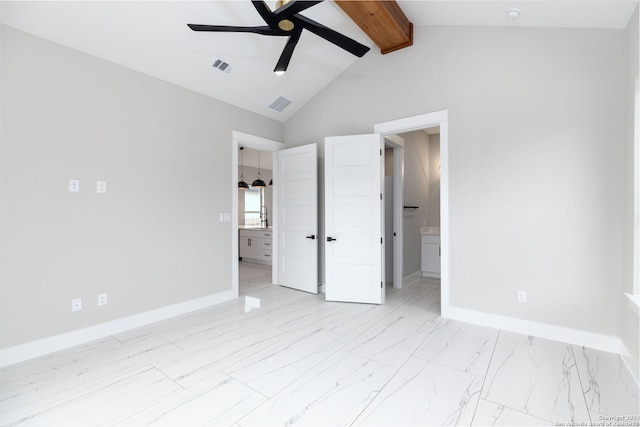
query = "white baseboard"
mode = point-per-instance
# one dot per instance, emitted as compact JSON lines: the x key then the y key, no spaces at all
{"x":603,"y":342}
{"x":411,"y":278}
{"x":22,"y":352}
{"x":630,"y":363}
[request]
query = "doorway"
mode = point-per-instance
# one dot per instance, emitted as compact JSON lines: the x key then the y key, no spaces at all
{"x":265,"y":148}
{"x":421,"y":122}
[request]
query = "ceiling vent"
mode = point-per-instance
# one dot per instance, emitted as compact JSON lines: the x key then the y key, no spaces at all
{"x":223,"y":66}
{"x":280,"y":104}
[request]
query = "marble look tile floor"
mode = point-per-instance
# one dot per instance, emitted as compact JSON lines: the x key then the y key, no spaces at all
{"x":300,"y":360}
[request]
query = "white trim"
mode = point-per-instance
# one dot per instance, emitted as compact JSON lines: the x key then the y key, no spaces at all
{"x":259,"y":143}
{"x":396,"y":143}
{"x":423,"y":121}
{"x":22,"y":352}
{"x":413,"y":277}
{"x":636,"y":191}
{"x":409,"y":124}
{"x":628,"y":361}
{"x":634,"y":302}
{"x":603,"y":342}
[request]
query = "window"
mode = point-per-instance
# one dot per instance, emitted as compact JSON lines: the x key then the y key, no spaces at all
{"x":252,"y":203}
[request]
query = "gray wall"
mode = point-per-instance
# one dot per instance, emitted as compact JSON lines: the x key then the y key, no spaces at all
{"x":434,"y":181}
{"x":536,"y":147}
{"x":154,"y":239}
{"x":416,"y":193}
{"x":630,"y":318}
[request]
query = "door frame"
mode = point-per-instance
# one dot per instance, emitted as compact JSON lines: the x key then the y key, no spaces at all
{"x":258,"y":143}
{"x":396,"y":143}
{"x":423,"y":121}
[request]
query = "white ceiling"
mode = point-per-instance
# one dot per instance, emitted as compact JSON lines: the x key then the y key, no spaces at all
{"x":152,"y":37}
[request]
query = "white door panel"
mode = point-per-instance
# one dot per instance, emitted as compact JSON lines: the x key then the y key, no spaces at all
{"x":297,"y":183}
{"x":353,"y":218}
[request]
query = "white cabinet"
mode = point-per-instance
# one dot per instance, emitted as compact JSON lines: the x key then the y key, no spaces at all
{"x":430,"y":256}
{"x":255,"y":245}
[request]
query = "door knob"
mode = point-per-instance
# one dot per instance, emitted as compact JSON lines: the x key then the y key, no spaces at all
{"x":312,"y":237}
{"x":331,"y":239}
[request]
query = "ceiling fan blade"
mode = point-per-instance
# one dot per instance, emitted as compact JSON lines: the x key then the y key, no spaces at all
{"x":265,"y":12}
{"x":266,"y":31}
{"x":332,"y":36}
{"x":293,"y":7}
{"x":287,"y":52}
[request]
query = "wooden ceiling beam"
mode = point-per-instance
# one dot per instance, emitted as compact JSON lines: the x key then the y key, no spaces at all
{"x":383,"y":21}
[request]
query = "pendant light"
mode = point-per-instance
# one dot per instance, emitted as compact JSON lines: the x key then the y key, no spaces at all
{"x":258,"y":183}
{"x":241,"y":184}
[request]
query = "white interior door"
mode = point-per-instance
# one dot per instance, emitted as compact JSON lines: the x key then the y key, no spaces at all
{"x":297,"y":183}
{"x":353,"y":218}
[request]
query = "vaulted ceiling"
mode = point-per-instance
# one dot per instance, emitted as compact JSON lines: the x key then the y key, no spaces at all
{"x":152,"y":37}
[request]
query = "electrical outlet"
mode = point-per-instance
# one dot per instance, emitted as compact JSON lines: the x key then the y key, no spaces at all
{"x":522,"y":297}
{"x":76,"y":304}
{"x":101,"y":187}
{"x":74,"y":185}
{"x":102,"y":299}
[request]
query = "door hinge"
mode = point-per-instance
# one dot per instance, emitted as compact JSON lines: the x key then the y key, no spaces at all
{"x":380,"y":196}
{"x":381,"y":286}
{"x":381,"y":240}
{"x":381,"y":151}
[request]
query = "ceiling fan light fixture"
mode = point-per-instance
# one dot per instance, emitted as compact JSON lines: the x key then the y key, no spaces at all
{"x":279,"y":72}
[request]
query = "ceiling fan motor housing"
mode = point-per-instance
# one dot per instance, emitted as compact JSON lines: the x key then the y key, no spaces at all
{"x":284,"y":24}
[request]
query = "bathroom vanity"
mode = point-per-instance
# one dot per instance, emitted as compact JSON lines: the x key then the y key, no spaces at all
{"x":431,"y":251}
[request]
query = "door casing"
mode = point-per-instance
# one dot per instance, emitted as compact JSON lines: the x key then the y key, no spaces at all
{"x":423,"y":121}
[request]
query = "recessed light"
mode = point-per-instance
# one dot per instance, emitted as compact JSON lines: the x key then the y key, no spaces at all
{"x":513,"y":14}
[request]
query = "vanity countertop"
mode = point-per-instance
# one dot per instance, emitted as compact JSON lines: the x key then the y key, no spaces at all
{"x":430,"y":231}
{"x":253,"y":227}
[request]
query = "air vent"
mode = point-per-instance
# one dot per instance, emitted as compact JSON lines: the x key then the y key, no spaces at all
{"x":223,"y":66}
{"x":280,"y":103}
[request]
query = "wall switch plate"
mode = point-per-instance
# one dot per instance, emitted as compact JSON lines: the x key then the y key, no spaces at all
{"x":101,"y":187}
{"x":76,"y":304}
{"x":74,"y":185}
{"x":522,"y":297}
{"x":102,"y":299}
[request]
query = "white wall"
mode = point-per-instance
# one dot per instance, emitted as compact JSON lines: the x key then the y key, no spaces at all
{"x":536,"y":160}
{"x":154,"y":239}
